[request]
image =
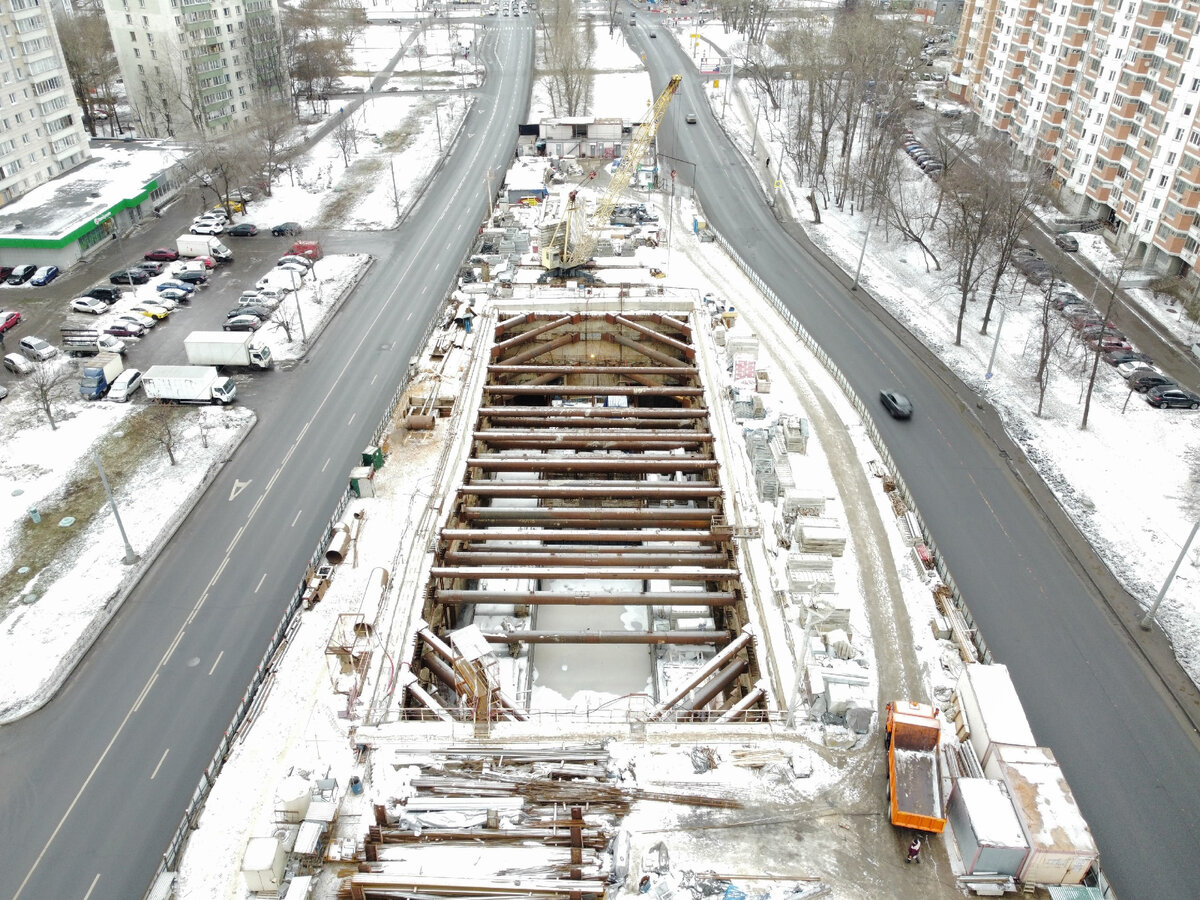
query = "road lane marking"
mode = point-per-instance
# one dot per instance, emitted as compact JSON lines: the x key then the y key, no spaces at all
{"x":171,"y":649}
{"x":237,"y":534}
{"x":216,"y":662}
{"x":297,"y":519}
{"x":160,"y":762}
{"x":326,"y":464}
{"x":238,"y":487}
{"x":260,"y":582}
{"x":142,"y":696}
{"x":351,"y":419}
{"x":92,"y":887}
{"x":373,"y":377}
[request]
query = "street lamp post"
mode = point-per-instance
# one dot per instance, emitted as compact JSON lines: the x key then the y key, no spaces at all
{"x":130,"y":556}
{"x":437,"y":121}
{"x":297,"y":281}
{"x":1146,"y":619}
{"x":996,"y":342}
{"x":862,"y":253}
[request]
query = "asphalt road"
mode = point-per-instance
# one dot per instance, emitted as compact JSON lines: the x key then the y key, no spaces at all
{"x":93,"y":785}
{"x":1132,"y":759}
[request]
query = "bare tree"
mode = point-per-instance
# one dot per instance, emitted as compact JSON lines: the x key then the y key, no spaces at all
{"x":970,"y":228}
{"x":345,"y":135}
{"x":92,"y":64}
{"x":50,"y":383}
{"x":270,"y":140}
{"x":913,"y":211}
{"x":164,"y":424}
{"x":568,"y":49}
{"x":1051,"y":329}
{"x":285,"y":318}
{"x":1109,"y":316}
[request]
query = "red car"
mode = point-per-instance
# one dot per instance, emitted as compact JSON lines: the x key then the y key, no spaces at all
{"x":9,"y":319}
{"x":162,"y":254}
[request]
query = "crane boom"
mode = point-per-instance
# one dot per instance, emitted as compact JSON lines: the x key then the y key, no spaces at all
{"x":574,"y":239}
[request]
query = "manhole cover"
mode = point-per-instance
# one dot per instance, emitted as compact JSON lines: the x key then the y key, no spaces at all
{"x":66,"y":522}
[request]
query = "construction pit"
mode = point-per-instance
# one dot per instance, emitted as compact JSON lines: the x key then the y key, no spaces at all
{"x":594,"y":625}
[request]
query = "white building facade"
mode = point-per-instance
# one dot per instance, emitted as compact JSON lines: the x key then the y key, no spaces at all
{"x":1106,"y":93}
{"x":197,"y":66}
{"x":41,"y":132}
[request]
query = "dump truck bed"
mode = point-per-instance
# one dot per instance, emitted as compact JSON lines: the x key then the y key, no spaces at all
{"x":916,"y":798}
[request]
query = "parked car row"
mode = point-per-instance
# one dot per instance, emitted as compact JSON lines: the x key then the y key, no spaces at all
{"x":925,"y":160}
{"x":1138,"y":369}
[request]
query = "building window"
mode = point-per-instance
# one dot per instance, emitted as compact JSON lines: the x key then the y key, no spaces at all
{"x":1162,"y":182}
{"x":1171,"y":157}
{"x":133,"y":36}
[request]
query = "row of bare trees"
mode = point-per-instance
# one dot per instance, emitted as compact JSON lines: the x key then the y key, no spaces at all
{"x":568,"y":47}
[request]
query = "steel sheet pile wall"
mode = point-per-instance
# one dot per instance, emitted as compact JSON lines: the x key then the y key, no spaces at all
{"x":592,"y":482}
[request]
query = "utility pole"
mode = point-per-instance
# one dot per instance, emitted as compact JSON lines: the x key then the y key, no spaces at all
{"x":996,"y":342}
{"x":862,"y":253}
{"x":1146,"y":619}
{"x":297,"y":281}
{"x":130,"y":556}
{"x":437,"y":120}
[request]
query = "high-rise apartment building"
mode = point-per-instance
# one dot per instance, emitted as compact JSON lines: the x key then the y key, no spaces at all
{"x":1106,"y":93}
{"x":197,"y":66}
{"x":41,"y":134}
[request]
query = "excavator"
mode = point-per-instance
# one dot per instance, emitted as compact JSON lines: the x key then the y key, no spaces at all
{"x":569,"y":243}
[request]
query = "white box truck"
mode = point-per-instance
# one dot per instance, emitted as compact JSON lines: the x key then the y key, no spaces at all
{"x":203,"y":245}
{"x":188,"y":384}
{"x":226,"y":348}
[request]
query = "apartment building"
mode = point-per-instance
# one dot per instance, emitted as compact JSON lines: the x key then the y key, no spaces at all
{"x":197,"y":66}
{"x":1106,"y":93}
{"x":41,"y":135}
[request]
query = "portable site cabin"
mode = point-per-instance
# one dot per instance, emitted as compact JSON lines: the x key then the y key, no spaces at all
{"x":1061,"y":847}
{"x":986,"y":828}
{"x":993,"y":710}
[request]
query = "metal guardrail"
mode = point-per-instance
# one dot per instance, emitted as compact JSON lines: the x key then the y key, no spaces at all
{"x":868,"y":421}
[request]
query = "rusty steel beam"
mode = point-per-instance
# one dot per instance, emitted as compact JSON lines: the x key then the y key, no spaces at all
{"x":510,"y":369}
{"x":609,"y":637}
{"x":580,"y":463}
{"x":682,"y":554}
{"x":634,"y":489}
{"x":719,"y":682}
{"x":597,"y":412}
{"x":509,"y":573}
{"x":648,"y":352}
{"x":565,"y":341}
{"x":522,"y":319}
{"x":542,"y":514}
{"x":682,"y":327}
{"x":584,"y":390}
{"x":500,"y":346}
{"x":587,"y":535}
{"x":566,"y":557}
{"x":686,"y":349}
{"x":583,"y":444}
{"x":532,"y":420}
{"x":583,"y":598}
{"x":616,"y":483}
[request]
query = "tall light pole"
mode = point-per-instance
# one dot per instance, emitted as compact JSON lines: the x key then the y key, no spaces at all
{"x":297,"y":281}
{"x":996,"y":342}
{"x":130,"y":556}
{"x":437,"y":121}
{"x":1146,"y":619}
{"x":861,"y":254}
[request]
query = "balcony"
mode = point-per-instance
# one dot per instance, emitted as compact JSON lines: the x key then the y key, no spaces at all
{"x":1100,"y":193}
{"x":1112,"y":154}
{"x":1152,"y":14}
{"x":1169,"y":240}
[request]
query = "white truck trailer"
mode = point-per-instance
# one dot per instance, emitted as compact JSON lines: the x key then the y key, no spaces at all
{"x":193,"y":245}
{"x":226,"y":348}
{"x":188,"y":384}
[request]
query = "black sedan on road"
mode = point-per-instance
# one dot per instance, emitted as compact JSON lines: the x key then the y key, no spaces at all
{"x":129,"y":276}
{"x":897,"y":405}
{"x":1172,"y":396}
{"x":287,"y":228}
{"x":244,"y":229}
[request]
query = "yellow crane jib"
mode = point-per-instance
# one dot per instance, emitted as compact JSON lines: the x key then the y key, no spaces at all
{"x":575,"y":235}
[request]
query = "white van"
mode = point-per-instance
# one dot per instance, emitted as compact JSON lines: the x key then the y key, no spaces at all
{"x":125,"y":385}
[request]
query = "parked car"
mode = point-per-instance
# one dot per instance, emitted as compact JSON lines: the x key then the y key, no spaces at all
{"x":1066,"y":299}
{"x":260,"y":312}
{"x":17,"y":364}
{"x":287,"y":228}
{"x":1066,"y":242}
{"x":1118,"y":357}
{"x":1141,"y":380}
{"x":89,"y":305}
{"x":173,"y":285}
{"x":153,"y":266}
{"x":5,"y":271}
{"x":167,"y":303}
{"x":293,"y":267}
{"x":110,"y":343}
{"x":9,"y":318}
{"x":21,"y":274}
{"x":1176,"y":397}
{"x":192,"y":277}
{"x":243,"y":323}
{"x":174,"y":295}
{"x":163,"y":254}
{"x":125,"y":385}
{"x":690,"y":118}
{"x":1132,"y":366}
{"x":243,"y":229}
{"x":129,"y":276}
{"x":143,"y":322}
{"x":296,"y":260}
{"x":207,"y":226}
{"x":897,"y":405}
{"x":150,"y":311}
{"x":208,"y":261}
{"x":44,"y":276}
{"x":1091,"y":331}
{"x":36,"y":349}
{"x":124,"y":328}
{"x":1106,"y":343}
{"x":105,"y":292}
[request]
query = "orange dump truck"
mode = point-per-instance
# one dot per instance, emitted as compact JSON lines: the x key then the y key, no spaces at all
{"x":914,"y":788}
